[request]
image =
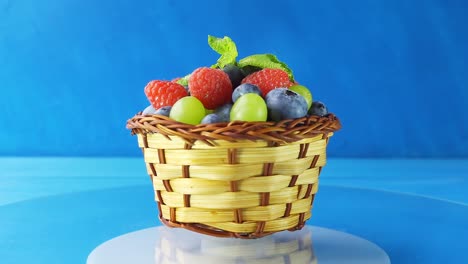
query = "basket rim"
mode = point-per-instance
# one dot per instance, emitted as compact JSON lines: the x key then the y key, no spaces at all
{"x":285,"y":131}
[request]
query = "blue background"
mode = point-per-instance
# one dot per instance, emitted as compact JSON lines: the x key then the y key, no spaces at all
{"x":73,"y":71}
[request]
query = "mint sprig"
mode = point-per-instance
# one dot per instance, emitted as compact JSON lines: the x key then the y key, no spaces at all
{"x":226,"y":48}
{"x":265,"y":61}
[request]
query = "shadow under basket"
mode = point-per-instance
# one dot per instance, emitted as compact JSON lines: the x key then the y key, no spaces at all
{"x":237,"y":179}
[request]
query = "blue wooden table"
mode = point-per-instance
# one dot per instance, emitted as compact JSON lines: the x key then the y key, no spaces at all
{"x":57,"y":210}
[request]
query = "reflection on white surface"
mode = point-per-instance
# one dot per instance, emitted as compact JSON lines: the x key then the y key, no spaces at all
{"x":182,"y":247}
{"x":309,"y":245}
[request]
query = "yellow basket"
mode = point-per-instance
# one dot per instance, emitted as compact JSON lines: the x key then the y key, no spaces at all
{"x":237,"y":179}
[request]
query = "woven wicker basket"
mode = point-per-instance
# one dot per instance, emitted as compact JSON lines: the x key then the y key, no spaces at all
{"x":238,"y":179}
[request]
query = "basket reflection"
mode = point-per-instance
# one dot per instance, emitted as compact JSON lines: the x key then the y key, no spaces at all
{"x":182,"y":246}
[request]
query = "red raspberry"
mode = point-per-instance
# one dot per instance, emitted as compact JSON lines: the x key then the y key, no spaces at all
{"x":164,"y":93}
{"x":211,"y":86}
{"x":268,"y":79}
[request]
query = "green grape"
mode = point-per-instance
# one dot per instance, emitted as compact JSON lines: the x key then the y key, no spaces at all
{"x":188,"y":110}
{"x":249,"y":107}
{"x":209,"y":111}
{"x":302,"y":90}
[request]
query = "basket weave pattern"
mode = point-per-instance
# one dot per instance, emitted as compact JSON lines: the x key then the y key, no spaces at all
{"x":238,"y":179}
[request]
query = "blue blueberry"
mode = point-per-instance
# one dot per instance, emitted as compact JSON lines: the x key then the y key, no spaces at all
{"x":165,"y":110}
{"x":318,"y":108}
{"x":149,"y":110}
{"x":283,"y":103}
{"x":211,"y":118}
{"x":235,"y":74}
{"x":224,"y":112}
{"x":244,"y":89}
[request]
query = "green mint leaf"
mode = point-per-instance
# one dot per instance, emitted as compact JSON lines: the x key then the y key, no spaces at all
{"x":184,"y":80}
{"x":226,"y":48}
{"x":265,"y":61}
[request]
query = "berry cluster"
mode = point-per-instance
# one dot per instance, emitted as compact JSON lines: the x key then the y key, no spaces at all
{"x":256,"y":88}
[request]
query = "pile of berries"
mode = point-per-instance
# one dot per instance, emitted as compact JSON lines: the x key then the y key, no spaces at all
{"x":256,"y":88}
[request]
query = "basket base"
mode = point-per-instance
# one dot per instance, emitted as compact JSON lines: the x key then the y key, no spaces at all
{"x":167,"y":245}
{"x":208,"y":230}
